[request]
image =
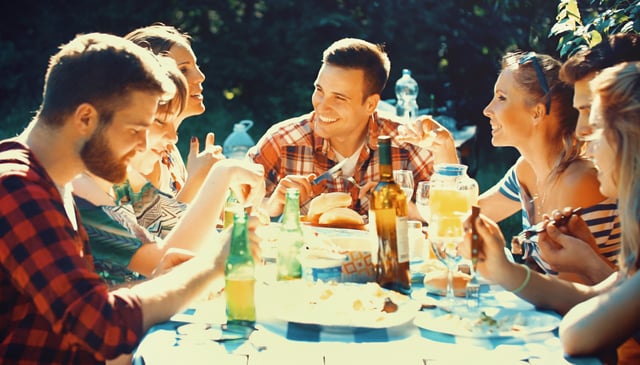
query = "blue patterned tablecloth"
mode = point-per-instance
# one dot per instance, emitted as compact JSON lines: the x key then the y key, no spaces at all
{"x":290,"y":343}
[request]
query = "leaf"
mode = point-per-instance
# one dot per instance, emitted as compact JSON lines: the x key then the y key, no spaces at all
{"x":563,"y":26}
{"x":628,"y":27}
{"x":573,"y":10}
{"x":594,"y":38}
{"x":566,"y":48}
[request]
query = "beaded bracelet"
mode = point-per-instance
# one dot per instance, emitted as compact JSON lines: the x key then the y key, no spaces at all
{"x":525,"y":282}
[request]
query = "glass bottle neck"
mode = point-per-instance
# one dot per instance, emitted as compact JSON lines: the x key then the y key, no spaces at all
{"x":386,"y":169}
{"x":239,"y":236}
{"x":291,"y":212}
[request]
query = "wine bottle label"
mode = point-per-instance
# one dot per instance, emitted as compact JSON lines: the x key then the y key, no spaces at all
{"x":373,"y":237}
{"x":402,"y":239}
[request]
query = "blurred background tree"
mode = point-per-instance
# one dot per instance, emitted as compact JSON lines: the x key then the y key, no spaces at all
{"x":261,"y":57}
{"x":582,"y":25}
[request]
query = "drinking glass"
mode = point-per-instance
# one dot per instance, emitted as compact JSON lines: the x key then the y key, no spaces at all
{"x":422,"y":200}
{"x":404,"y":178}
{"x":448,"y":210}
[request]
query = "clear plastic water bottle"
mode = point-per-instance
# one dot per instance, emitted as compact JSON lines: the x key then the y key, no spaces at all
{"x":406,"y":95}
{"x":239,"y":141}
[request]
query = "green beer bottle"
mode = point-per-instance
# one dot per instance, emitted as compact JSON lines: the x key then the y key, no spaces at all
{"x":291,"y":238}
{"x":239,"y":275}
{"x":231,"y":206}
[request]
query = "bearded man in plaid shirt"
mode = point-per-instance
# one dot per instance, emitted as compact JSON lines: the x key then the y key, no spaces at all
{"x":100,"y":97}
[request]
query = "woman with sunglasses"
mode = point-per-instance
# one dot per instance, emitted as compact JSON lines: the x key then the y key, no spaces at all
{"x":532,"y":111}
{"x":604,"y":319}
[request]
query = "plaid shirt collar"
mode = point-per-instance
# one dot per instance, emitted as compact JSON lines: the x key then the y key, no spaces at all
{"x":322,"y":146}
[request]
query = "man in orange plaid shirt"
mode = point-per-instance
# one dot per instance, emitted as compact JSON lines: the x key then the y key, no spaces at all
{"x":343,"y":125}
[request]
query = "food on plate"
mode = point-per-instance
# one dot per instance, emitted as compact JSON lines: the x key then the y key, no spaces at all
{"x":389,"y":306}
{"x":326,"y":201}
{"x":340,"y":216}
{"x":436,"y":282}
{"x":483,"y":323}
{"x":341,"y":304}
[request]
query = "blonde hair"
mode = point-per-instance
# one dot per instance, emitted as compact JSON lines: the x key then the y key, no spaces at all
{"x":618,"y":88}
{"x":560,"y":106}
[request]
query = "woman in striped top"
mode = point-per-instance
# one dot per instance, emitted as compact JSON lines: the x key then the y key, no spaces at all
{"x":532,"y":111}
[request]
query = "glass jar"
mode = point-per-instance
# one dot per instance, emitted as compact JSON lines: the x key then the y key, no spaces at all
{"x":451,"y":194}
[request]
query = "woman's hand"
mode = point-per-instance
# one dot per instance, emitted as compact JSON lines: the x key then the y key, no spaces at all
{"x":200,"y":162}
{"x":172,"y":258}
{"x":491,"y":257}
{"x":245,"y":178}
{"x":256,"y":220}
{"x":571,"y":248}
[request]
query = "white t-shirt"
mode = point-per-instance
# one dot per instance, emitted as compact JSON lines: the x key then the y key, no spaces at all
{"x":350,"y":166}
{"x":69,"y":207}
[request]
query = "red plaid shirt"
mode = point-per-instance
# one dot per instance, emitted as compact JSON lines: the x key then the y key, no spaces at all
{"x":291,"y":148}
{"x":54,"y":308}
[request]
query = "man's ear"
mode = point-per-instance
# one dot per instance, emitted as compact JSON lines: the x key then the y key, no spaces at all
{"x":85,"y":119}
{"x":372,"y":102}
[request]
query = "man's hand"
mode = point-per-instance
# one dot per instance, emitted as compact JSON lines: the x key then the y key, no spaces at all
{"x":275,"y":203}
{"x":426,"y":132}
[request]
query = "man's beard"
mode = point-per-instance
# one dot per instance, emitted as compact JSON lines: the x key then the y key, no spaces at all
{"x":100,"y":160}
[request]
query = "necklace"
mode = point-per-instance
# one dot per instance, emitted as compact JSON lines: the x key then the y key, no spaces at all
{"x":537,"y":205}
{"x":537,"y":202}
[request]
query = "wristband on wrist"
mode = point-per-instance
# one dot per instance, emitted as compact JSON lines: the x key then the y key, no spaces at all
{"x":525,"y":282}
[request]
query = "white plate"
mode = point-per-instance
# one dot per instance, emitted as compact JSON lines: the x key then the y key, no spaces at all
{"x":333,"y":305}
{"x":342,"y":232}
{"x":507,"y":322}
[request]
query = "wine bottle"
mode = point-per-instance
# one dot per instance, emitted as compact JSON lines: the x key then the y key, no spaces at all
{"x":291,"y":238}
{"x":239,"y":275}
{"x":388,"y":221}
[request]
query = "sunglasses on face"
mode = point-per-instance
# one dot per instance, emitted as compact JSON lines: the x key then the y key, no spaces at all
{"x":531,"y":56}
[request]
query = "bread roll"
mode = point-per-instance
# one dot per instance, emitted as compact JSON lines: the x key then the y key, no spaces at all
{"x":327,"y":201}
{"x":436,"y":283}
{"x":341,"y":216}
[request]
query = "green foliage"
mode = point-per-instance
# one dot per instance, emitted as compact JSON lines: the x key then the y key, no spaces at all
{"x":583,"y":26}
{"x":261,"y":57}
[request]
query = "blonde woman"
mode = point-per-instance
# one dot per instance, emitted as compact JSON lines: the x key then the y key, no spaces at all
{"x":603,"y":318}
{"x":532,"y":111}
